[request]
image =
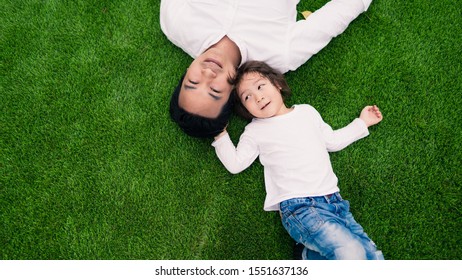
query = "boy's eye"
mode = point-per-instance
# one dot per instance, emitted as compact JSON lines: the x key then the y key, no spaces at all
{"x":260,"y":86}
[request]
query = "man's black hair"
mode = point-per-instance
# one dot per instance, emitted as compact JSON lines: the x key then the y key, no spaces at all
{"x":195,"y":125}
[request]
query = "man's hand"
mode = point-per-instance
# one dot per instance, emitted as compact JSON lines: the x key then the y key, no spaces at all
{"x":371,"y":115}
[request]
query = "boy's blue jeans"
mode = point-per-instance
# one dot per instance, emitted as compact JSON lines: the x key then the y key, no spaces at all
{"x":325,"y":225}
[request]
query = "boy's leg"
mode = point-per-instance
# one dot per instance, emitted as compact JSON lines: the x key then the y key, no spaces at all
{"x":312,"y":255}
{"x":298,"y":251}
{"x":314,"y":223}
{"x":303,"y":253}
{"x":319,"y":225}
{"x":368,"y":244}
{"x":336,"y":242}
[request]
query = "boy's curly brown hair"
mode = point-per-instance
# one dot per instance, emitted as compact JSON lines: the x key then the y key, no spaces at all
{"x":275,"y":77}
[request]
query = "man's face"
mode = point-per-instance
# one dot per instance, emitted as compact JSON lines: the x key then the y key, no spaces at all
{"x":206,"y":88}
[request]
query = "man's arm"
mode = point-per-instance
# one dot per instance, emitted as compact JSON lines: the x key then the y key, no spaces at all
{"x":311,"y":35}
{"x":335,"y":16}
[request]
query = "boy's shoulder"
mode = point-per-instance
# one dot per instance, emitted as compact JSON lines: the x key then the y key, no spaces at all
{"x":308,"y":111}
{"x":305,"y":107}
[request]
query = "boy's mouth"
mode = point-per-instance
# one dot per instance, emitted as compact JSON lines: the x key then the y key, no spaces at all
{"x":265,"y":105}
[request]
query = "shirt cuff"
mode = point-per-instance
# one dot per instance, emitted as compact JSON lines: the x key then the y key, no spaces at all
{"x":362,"y":126}
{"x":366,"y":3}
{"x":224,"y":137}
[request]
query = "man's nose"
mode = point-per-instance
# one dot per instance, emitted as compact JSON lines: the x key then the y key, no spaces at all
{"x":207,"y":72}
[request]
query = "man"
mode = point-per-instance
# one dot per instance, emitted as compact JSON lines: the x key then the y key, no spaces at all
{"x":221,"y":35}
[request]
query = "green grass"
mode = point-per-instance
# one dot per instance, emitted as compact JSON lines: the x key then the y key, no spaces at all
{"x":91,"y":166}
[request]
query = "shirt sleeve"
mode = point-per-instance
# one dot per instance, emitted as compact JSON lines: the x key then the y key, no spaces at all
{"x":236,"y":159}
{"x":339,"y":139}
{"x":335,"y":16}
{"x":309,"y":36}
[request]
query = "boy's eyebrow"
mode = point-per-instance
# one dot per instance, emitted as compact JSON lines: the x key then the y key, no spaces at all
{"x":242,"y":93}
{"x":258,"y":80}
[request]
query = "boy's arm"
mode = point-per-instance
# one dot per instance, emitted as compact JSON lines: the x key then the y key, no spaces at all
{"x":371,"y":115}
{"x":337,"y":140}
{"x":235,"y":159}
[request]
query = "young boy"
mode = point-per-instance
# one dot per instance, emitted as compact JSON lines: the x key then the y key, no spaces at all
{"x":293,"y":145}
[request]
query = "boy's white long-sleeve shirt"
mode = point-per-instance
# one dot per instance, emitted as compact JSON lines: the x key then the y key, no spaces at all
{"x":294,"y":150}
{"x":264,"y":30}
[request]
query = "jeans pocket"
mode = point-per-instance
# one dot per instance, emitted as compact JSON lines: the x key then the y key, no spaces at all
{"x":302,"y":223}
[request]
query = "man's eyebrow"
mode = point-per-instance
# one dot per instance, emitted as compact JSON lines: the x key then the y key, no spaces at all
{"x":215,"y":97}
{"x":186,"y":87}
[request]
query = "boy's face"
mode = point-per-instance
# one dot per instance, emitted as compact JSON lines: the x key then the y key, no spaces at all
{"x":206,"y":88}
{"x":260,"y":97}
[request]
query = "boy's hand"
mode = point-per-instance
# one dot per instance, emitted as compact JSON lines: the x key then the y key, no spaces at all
{"x":221,"y":133}
{"x":371,"y":115}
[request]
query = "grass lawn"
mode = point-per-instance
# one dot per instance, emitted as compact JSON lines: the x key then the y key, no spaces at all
{"x":92,"y":167}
